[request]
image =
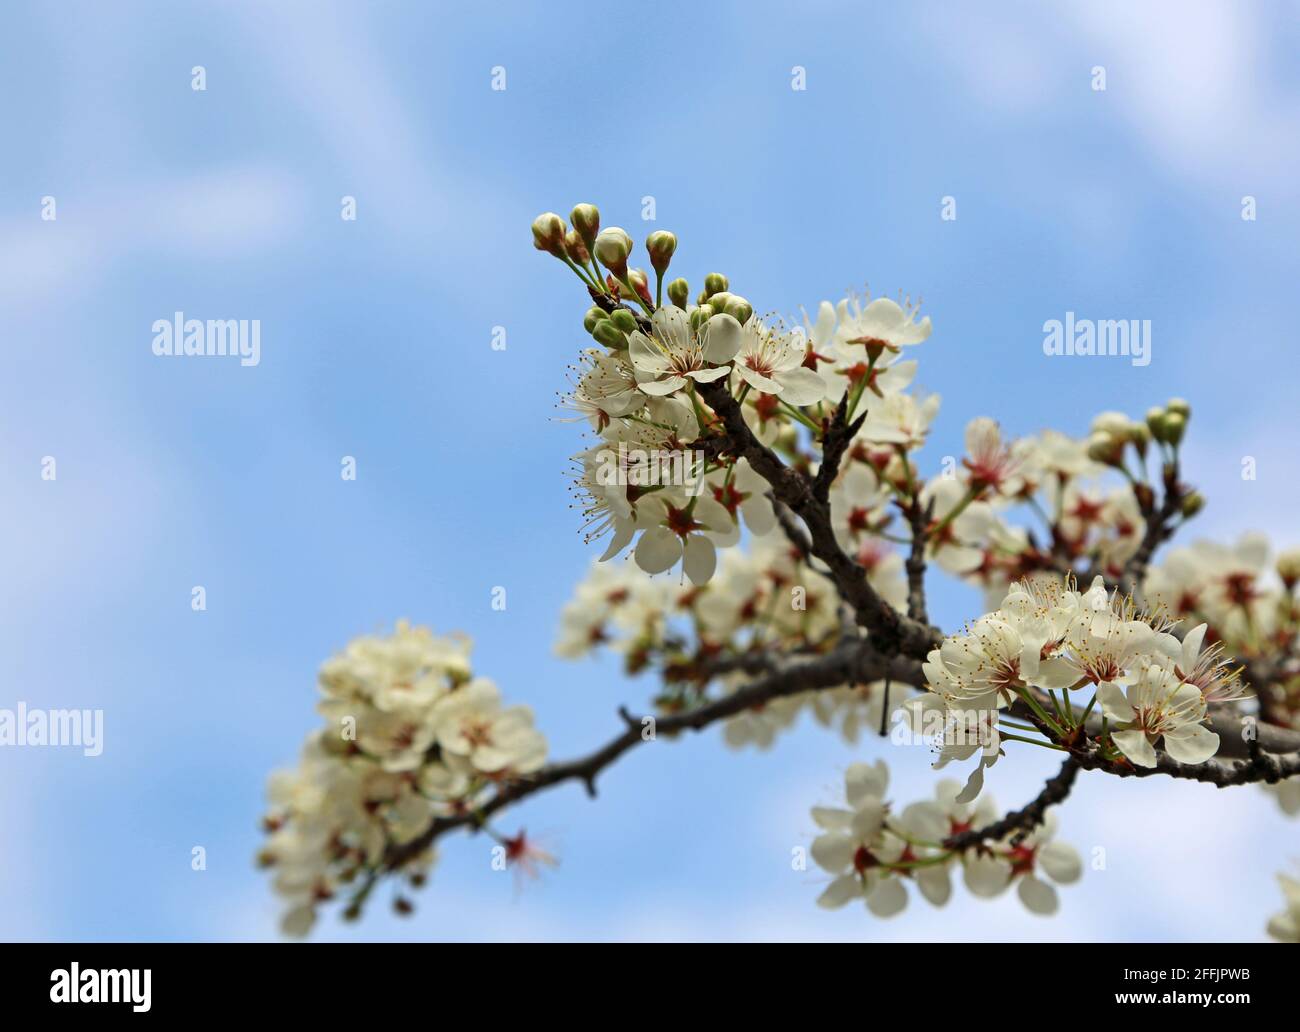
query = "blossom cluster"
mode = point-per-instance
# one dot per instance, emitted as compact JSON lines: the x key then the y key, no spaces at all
{"x":872,"y":853}
{"x":763,"y":600}
{"x":1047,"y":638}
{"x":410,"y":735}
{"x":640,"y":391}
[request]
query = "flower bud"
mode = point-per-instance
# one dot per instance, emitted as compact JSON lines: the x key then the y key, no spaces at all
{"x":1288,"y":567}
{"x":623,"y":319}
{"x":678,"y":291}
{"x":1180,"y":406}
{"x":1113,"y":423}
{"x":1156,"y":423}
{"x":1105,"y":448}
{"x":593,"y":316}
{"x":548,"y":233}
{"x":660,"y":245}
{"x":608,"y":333}
{"x":612,"y":248}
{"x":640,"y":283}
{"x":586,"y":220}
{"x":1191,"y":504}
{"x":1175,"y":424}
{"x":576,"y":248}
{"x":713,"y":283}
{"x":1140,"y":435}
{"x":700,"y":314}
{"x":738,"y":308}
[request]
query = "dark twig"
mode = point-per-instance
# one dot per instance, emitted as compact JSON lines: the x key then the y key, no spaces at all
{"x":1021,"y":822}
{"x":892,"y":631}
{"x":852,"y":661}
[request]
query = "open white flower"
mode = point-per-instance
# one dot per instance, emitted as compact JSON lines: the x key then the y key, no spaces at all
{"x":853,"y":845}
{"x":681,"y":530}
{"x":773,"y":362}
{"x":674,"y":354}
{"x":1208,"y":669}
{"x":899,"y":419}
{"x":471,"y":723}
{"x":1158,"y":705}
{"x":883,"y":322}
{"x":989,"y":873}
{"x":606,"y":388}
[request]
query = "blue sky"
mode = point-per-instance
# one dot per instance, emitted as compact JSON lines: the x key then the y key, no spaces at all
{"x":376,"y":343}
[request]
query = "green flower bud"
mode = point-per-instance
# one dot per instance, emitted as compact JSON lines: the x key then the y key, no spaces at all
{"x":1175,"y":424}
{"x":593,"y":316}
{"x":1192,"y":504}
{"x":660,"y":245}
{"x":576,"y":248}
{"x":678,"y":291}
{"x":719,"y":300}
{"x":1140,"y":435}
{"x":1179,"y":406}
{"x":548,"y":233}
{"x":607,"y":333}
{"x":623,"y":319}
{"x":1105,"y":448}
{"x":586,"y":220}
{"x":612,"y":248}
{"x":701,"y":314}
{"x":1156,"y":423}
{"x":713,"y":283}
{"x":739,"y":309}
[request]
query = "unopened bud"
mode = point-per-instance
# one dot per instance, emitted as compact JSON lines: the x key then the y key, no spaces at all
{"x":593,"y":316}
{"x":660,"y":245}
{"x":720,"y":299}
{"x":1113,"y":423}
{"x":608,"y":333}
{"x":1175,"y":424}
{"x":738,"y":308}
{"x":714,"y":282}
{"x":1140,"y":435}
{"x":623,"y":319}
{"x":1288,"y":568}
{"x":678,"y":291}
{"x":1191,"y":504}
{"x":586,"y":220}
{"x":1156,"y":423}
{"x":701,"y":314}
{"x":1180,"y":406}
{"x":548,"y":233}
{"x":640,"y":283}
{"x":612,"y":248}
{"x":1105,"y":448}
{"x":576,"y":248}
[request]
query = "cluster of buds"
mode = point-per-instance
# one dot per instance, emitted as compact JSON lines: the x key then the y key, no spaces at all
{"x":599,"y":257}
{"x":1112,"y":433}
{"x":1168,"y":424}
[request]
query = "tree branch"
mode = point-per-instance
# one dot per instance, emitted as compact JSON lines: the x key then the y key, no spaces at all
{"x":1027,"y":818}
{"x":852,"y":661}
{"x":892,"y":631}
